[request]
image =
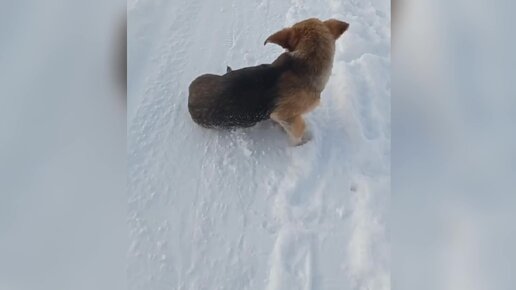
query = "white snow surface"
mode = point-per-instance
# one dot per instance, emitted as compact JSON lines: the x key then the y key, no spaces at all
{"x":241,"y":209}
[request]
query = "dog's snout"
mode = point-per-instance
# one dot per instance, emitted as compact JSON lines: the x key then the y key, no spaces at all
{"x":336,"y":27}
{"x":345,"y":25}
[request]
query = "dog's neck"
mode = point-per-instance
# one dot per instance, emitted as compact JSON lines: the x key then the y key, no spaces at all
{"x":317,"y":62}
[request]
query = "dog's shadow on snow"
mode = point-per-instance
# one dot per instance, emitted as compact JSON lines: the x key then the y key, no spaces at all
{"x":264,"y":139}
{"x":264,"y":136}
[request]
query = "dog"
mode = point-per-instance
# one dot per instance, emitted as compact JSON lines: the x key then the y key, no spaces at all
{"x":282,"y":91}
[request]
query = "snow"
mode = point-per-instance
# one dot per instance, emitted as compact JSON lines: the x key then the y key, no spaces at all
{"x":241,"y":209}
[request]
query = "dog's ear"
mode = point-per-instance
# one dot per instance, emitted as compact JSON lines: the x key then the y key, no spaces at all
{"x":286,"y":38}
{"x":336,"y":27}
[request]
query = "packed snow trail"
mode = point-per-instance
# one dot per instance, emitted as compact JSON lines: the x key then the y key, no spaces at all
{"x":241,"y":209}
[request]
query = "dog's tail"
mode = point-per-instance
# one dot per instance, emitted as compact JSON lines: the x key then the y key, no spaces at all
{"x":228,"y":69}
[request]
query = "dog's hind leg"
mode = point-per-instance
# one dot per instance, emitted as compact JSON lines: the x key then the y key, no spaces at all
{"x":295,"y":128}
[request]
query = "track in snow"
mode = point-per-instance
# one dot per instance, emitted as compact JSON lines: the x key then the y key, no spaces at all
{"x":241,"y":209}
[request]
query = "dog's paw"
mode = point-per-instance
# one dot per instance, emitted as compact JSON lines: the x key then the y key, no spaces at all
{"x":228,"y":69}
{"x":307,"y":137}
{"x":300,"y":141}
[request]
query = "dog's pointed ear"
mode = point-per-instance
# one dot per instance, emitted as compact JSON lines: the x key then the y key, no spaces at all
{"x":336,"y":27}
{"x":285,"y":38}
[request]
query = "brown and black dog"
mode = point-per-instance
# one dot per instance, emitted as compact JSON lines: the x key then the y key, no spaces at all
{"x":282,"y":91}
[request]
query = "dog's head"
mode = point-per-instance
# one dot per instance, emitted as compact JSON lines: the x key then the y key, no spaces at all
{"x":308,"y":33}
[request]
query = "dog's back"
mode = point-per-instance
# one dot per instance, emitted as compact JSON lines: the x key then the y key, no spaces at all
{"x":239,"y":98}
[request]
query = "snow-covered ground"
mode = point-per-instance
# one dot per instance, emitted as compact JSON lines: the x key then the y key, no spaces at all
{"x":235,"y":210}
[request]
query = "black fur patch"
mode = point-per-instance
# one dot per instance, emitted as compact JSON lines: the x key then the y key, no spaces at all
{"x":239,"y":98}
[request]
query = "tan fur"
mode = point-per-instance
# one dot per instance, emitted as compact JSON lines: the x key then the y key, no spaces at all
{"x":311,"y":41}
{"x":295,"y":127}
